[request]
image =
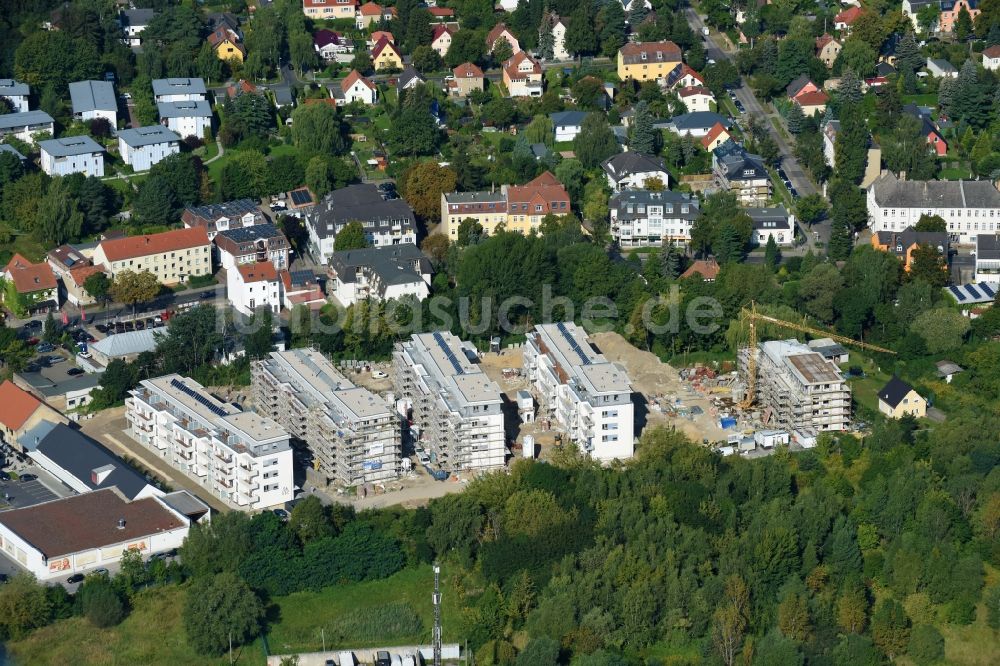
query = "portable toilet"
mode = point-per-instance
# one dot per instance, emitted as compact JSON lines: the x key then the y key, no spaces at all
{"x":525,"y":406}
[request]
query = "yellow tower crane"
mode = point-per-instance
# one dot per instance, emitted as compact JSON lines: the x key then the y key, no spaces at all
{"x":751,"y":316}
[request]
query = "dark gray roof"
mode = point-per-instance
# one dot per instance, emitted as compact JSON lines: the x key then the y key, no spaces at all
{"x":68,"y":146}
{"x":252,"y":233}
{"x":283,"y":95}
{"x":361,"y":202}
{"x":908,"y":237}
{"x":797,"y":84}
{"x":568,"y":118}
{"x":769,"y":218}
{"x":137,"y":17}
{"x":698,"y":120}
{"x":392,"y":264}
{"x":736,"y":163}
{"x":892,"y":192}
{"x":230,"y":209}
{"x":407,"y":75}
{"x":624,"y":164}
{"x":10,"y":87}
{"x":93,"y":96}
{"x":676,"y":200}
{"x":147,"y":136}
{"x":186,"y":109}
{"x":185,"y":504}
{"x":80,"y":456}
{"x":10,"y":121}
{"x":178,"y":87}
{"x":988,"y":246}
{"x":6,"y":148}
{"x":43,"y":385}
{"x":894,"y":392}
{"x":539,"y":150}
{"x":927,"y":127}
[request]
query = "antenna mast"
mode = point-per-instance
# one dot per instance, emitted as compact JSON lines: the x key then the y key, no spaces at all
{"x":437,"y":614}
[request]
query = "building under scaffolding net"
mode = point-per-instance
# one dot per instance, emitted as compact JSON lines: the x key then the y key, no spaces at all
{"x":797,"y":388}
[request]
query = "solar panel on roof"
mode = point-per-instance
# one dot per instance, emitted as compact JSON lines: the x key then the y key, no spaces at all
{"x":300,"y":197}
{"x":584,"y":359}
{"x":202,"y":400}
{"x":299,"y":277}
{"x":448,"y":353}
{"x":958,"y":295}
{"x":972,"y":290}
{"x":987,"y":289}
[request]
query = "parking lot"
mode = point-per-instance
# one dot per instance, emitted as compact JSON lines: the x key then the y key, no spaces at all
{"x":19,"y":494}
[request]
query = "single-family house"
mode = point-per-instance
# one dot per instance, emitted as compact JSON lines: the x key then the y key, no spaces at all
{"x":776,"y":223}
{"x":227,"y":44}
{"x":647,"y":61}
{"x":72,"y":268}
{"x":843,"y":21}
{"x":501,"y":31}
{"x":812,"y":103}
{"x":133,"y":22}
{"x":72,"y":154}
{"x":800,"y":84}
{"x":355,"y":88}
{"x":827,"y":49}
{"x":178,"y":90}
{"x":705,"y":270}
{"x":25,"y":125}
{"x":253,"y":286}
{"x":697,"y":98}
{"x":16,"y":93}
{"x":567,"y":124}
{"x":950,"y":9}
{"x":946,"y":370}
{"x":94,"y":99}
{"x":329,"y":9}
{"x":441,"y":39}
{"x":30,"y":287}
{"x":187,"y":118}
{"x":408,"y":79}
{"x":369,"y":13}
{"x":522,"y":76}
{"x":464,"y":79}
{"x":941,"y":68}
{"x":241,"y":87}
{"x":991,"y":58}
{"x":385,"y":56}
{"x":143,"y":147}
{"x":441,"y":14}
{"x":633,"y":171}
{"x":697,"y":124}
{"x":898,"y":399}
{"x":902,"y":244}
{"x":330,"y":44}
{"x":716,"y":136}
{"x":928,"y":129}
{"x":682,"y":76}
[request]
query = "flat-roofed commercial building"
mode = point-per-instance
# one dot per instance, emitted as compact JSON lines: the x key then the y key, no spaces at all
{"x":80,"y":533}
{"x":455,"y":407}
{"x":590,"y":396}
{"x":242,"y":458}
{"x":352,"y":433}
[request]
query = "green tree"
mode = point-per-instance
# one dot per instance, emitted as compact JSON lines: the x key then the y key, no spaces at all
{"x":317,"y":176}
{"x":811,"y":208}
{"x":729,"y":621}
{"x":259,"y":341}
{"x":99,"y":602}
{"x":595,"y":142}
{"x":581,"y":39}
{"x":23,"y":606}
{"x":942,"y":329}
{"x":542,"y":651}
{"x":318,"y":130}
{"x":929,"y":265}
{"x":645,"y":138}
{"x":891,"y":628}
{"x":426,"y":59}
{"x":98,"y":287}
{"x":963,"y":25}
{"x":772,"y":255}
{"x":423,"y":184}
{"x":155,"y":203}
{"x":309,"y":520}
{"x":470,"y":232}
{"x":221,"y":611}
{"x":350,"y":237}
{"x":59,"y":216}
{"x":931,"y":223}
{"x":855,"y":650}
{"x":414,"y":132}
{"x":132,"y":288}
{"x":926,"y":642}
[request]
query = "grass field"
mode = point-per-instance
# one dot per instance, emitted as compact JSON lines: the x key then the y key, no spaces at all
{"x":154,"y":633}
{"x":926,"y":99}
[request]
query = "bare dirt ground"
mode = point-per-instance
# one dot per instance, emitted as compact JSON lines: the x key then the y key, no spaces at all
{"x":661,"y":384}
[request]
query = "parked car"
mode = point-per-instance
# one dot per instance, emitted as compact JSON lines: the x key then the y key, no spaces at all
{"x":280,"y":513}
{"x":54,"y":359}
{"x":73,"y":372}
{"x":45,"y":347}
{"x":101,"y":571}
{"x":378,"y":374}
{"x":101,"y":328}
{"x":75,"y":578}
{"x":207,"y":294}
{"x":424,"y":458}
{"x":28,"y":477}
{"x":84,"y":354}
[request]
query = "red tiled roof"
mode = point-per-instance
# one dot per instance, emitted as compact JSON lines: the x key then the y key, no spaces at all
{"x":242,"y":86}
{"x":354,"y":77}
{"x":686,"y":70}
{"x":813,"y":98}
{"x":88,"y":521}
{"x":511,"y":66}
{"x":694,"y":90}
{"x":81,"y":273}
{"x":467,"y":70}
{"x":130,"y":247}
{"x":370,"y":9}
{"x":824,"y":40}
{"x":379,"y":35}
{"x":382,"y":45}
{"x":708,"y":269}
{"x":440,"y":30}
{"x":261,"y":271}
{"x":545,"y":190}
{"x":18,"y":405}
{"x":493,"y":35}
{"x":848,"y":16}
{"x":992,"y":52}
{"x":29,"y":277}
{"x":717,"y":130}
{"x":441,"y":12}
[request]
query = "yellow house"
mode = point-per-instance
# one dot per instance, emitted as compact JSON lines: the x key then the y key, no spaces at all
{"x":898,"y":399}
{"x":385,"y":55}
{"x":647,"y":61}
{"x":227,"y":44}
{"x":489,"y":209}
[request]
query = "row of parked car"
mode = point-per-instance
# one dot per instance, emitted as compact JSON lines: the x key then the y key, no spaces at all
{"x":128,"y":326}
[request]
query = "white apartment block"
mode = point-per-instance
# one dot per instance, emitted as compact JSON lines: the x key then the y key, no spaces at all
{"x":94,"y":99}
{"x":250,"y":287}
{"x":72,"y":154}
{"x":143,"y":147}
{"x":968,"y":207}
{"x":641,"y":218}
{"x":242,"y":458}
{"x":188,"y":118}
{"x":16,"y":93}
{"x":352,"y":433}
{"x":798,"y":389}
{"x":455,"y":407}
{"x":588,"y":395}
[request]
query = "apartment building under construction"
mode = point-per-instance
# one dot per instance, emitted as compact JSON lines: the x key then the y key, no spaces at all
{"x":352,"y":433}
{"x":797,"y":388}
{"x":455,"y":407}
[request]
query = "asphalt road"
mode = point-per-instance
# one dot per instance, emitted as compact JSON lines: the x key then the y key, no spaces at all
{"x":796,"y":175}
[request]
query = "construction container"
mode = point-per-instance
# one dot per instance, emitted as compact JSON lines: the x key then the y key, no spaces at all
{"x":528,"y":446}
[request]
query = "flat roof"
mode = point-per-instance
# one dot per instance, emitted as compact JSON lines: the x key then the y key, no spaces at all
{"x":569,"y":348}
{"x":84,"y":522}
{"x":442,"y":356}
{"x":258,"y":427}
{"x":814,"y":368}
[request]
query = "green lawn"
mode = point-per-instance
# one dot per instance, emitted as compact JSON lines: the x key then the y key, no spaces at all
{"x":24,"y":244}
{"x":955,"y":173}
{"x":303,"y":614}
{"x":926,"y":99}
{"x":153,"y":634}
{"x":215,"y":168}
